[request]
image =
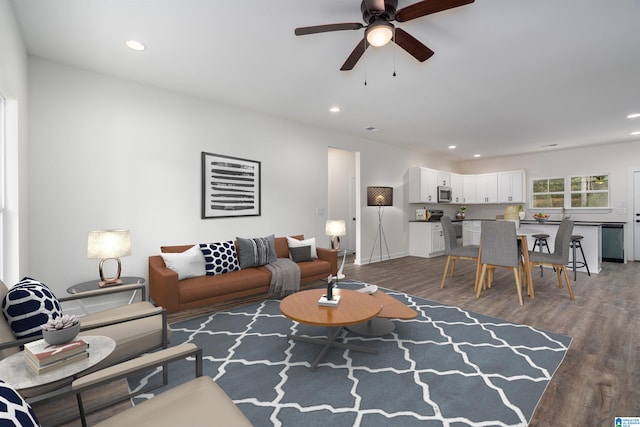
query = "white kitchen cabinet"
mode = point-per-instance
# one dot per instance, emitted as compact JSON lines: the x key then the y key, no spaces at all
{"x":511,"y":187}
{"x":437,"y":239}
{"x":423,"y":185}
{"x":497,"y":187}
{"x":426,"y":239}
{"x":444,"y":178}
{"x":468,"y":189}
{"x":457,"y":188}
{"x":470,"y":238}
{"x":487,"y":188}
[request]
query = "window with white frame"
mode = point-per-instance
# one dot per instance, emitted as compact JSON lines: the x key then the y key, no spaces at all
{"x":574,"y":192}
{"x":590,"y":191}
{"x":548,"y":193}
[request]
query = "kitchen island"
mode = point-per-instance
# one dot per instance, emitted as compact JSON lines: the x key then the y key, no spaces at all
{"x":590,"y":230}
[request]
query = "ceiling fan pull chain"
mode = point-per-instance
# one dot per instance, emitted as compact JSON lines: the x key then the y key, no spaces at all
{"x":394,"y":52}
{"x":365,"y":62}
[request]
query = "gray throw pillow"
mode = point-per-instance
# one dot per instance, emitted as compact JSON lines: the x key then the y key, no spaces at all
{"x":256,"y":251}
{"x":301,"y":253}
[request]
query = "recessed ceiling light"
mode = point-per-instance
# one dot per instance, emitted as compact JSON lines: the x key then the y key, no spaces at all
{"x":372,"y":129}
{"x":135,"y":45}
{"x":635,"y":133}
{"x":334,"y":109}
{"x":451,"y":147}
{"x":476,"y":155}
{"x":633,"y":116}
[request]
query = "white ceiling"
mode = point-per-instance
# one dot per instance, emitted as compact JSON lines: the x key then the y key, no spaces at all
{"x":507,"y":77}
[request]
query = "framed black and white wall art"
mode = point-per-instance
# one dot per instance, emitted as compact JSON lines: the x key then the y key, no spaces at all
{"x":230,"y":186}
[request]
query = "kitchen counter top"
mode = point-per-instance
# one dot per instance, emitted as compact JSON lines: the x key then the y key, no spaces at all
{"x":532,"y":221}
{"x":556,"y":222}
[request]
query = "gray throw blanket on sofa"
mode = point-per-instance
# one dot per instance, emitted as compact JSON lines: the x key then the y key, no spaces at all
{"x":285,"y":277}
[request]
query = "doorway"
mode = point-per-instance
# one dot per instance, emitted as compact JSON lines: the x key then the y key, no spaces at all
{"x":636,"y":215}
{"x":342,"y":194}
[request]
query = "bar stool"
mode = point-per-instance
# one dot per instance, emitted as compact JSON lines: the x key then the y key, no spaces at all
{"x":574,"y":245}
{"x":540,"y":242}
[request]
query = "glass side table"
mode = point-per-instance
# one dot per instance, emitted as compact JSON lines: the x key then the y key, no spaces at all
{"x":14,"y":369}
{"x":92,"y":285}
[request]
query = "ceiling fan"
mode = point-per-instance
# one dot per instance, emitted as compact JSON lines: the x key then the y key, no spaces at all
{"x":378,"y":15}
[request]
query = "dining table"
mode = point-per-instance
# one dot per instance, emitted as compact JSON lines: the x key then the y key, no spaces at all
{"x":521,"y":234}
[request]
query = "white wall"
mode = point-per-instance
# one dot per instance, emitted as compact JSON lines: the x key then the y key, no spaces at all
{"x":106,"y":153}
{"x":13,"y":86}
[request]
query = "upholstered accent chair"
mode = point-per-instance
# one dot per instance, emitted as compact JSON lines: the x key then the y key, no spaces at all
{"x":136,"y":329}
{"x":197,"y":402}
{"x":560,"y":256}
{"x":453,"y":251}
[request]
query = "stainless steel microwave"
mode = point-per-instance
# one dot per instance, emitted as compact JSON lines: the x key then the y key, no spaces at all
{"x":444,"y":194}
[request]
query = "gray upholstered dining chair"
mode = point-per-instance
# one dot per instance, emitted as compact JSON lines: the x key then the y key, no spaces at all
{"x":500,"y":248}
{"x":453,"y":251}
{"x":560,"y":256}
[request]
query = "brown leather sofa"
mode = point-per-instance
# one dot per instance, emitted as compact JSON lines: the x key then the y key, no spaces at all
{"x":174,"y":295}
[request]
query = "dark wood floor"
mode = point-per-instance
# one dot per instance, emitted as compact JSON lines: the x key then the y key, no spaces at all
{"x":600,"y":376}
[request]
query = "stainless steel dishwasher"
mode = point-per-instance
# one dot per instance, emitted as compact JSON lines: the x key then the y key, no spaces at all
{"x":613,"y":242}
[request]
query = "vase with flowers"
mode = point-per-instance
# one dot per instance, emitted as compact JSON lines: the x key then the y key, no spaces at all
{"x":461,"y":214}
{"x":60,"y":330}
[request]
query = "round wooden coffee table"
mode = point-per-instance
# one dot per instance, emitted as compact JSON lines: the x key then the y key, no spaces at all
{"x":354,"y":307}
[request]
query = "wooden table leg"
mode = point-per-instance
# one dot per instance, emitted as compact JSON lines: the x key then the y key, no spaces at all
{"x":330,"y":342}
{"x":527,"y":266}
{"x":478,"y":267}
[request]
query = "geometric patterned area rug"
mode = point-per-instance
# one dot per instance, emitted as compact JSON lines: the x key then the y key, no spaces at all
{"x":447,"y":367}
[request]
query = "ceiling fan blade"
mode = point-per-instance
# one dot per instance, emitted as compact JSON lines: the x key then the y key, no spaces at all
{"x":302,"y":31}
{"x":374,"y":5}
{"x":412,"y":45}
{"x":355,"y":55}
{"x":427,"y":7}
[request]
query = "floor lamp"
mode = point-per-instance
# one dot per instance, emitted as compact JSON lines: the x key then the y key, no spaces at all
{"x":380,"y":197}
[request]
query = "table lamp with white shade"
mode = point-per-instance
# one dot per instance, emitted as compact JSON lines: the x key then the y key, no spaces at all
{"x":109,"y":244}
{"x":335,"y":229}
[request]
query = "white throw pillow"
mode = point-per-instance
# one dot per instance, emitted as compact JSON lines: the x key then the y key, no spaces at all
{"x":295,"y":243}
{"x":189,"y":263}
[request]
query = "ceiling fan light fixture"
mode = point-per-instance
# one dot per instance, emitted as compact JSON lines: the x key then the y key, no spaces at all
{"x":379,"y":33}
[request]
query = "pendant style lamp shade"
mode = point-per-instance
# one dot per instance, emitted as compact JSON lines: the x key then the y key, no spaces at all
{"x":109,"y":244}
{"x":379,"y":196}
{"x":335,"y":229}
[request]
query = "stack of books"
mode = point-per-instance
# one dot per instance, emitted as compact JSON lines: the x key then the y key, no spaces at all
{"x":42,"y":357}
